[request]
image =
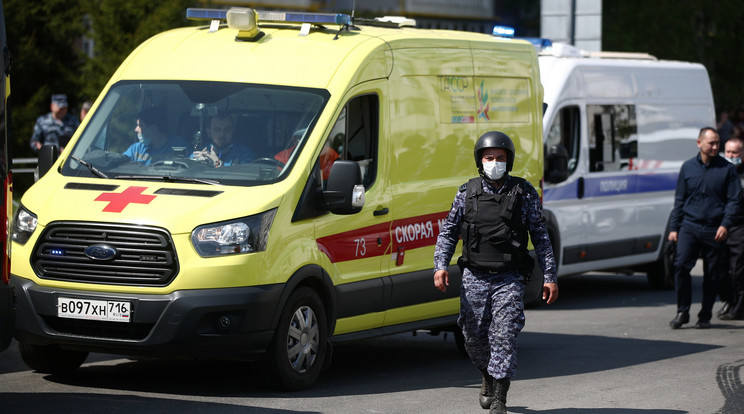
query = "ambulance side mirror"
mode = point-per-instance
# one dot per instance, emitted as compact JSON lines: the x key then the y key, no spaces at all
{"x":48,"y":155}
{"x":344,"y":193}
{"x":556,"y":164}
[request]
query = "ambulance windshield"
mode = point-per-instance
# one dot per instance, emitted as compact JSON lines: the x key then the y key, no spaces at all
{"x":202,"y":132}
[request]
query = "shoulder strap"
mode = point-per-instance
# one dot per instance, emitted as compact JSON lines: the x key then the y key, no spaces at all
{"x":514,"y":192}
{"x":474,"y":189}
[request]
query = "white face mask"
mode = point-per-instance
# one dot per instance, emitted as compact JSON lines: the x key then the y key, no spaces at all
{"x":494,"y":170}
{"x":142,"y":139}
{"x":734,"y":160}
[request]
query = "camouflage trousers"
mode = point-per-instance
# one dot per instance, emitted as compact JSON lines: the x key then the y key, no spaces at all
{"x":491,"y":317}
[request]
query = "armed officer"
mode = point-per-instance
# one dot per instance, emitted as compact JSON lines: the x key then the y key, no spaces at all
{"x":56,"y":127}
{"x":494,"y":213}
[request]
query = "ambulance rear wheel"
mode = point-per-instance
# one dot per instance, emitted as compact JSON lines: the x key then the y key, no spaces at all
{"x":300,"y":343}
{"x":51,"y":359}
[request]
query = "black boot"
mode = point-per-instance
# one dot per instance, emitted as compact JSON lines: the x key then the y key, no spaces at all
{"x":679,"y":320}
{"x":500,"y":388}
{"x":724,"y":309}
{"x":486,"y":393}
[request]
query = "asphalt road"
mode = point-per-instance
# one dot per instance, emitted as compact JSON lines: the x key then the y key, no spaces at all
{"x":604,"y":348}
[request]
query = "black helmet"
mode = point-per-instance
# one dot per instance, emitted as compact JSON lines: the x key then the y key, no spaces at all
{"x":494,"y":139}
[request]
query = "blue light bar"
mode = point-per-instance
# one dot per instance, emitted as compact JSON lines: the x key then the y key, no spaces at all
{"x":316,"y":18}
{"x":206,"y":14}
{"x":269,"y":16}
{"x":539,"y":42}
{"x":503,"y":31}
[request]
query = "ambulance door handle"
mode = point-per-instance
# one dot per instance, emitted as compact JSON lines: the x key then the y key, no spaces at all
{"x":580,"y":189}
{"x":381,"y":212}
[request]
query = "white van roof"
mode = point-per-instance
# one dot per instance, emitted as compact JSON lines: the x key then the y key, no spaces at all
{"x":568,"y":73}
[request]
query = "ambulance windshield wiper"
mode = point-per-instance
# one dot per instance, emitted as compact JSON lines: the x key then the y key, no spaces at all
{"x":90,"y":166}
{"x":168,"y":179}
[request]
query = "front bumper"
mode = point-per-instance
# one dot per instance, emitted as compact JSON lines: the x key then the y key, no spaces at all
{"x":188,"y":323}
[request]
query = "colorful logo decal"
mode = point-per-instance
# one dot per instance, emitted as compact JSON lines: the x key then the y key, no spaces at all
{"x":483,"y":105}
{"x":118,"y":201}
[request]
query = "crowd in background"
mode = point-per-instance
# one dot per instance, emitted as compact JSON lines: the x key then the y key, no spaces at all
{"x":730,"y":124}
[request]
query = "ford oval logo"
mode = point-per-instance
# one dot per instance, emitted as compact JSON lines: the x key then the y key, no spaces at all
{"x":100,"y":252}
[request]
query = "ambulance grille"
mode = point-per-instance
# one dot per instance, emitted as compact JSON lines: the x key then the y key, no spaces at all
{"x":120,"y":254}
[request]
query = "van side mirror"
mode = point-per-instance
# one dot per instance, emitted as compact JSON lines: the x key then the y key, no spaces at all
{"x":556,"y":164}
{"x":48,"y":155}
{"x":344,"y":193}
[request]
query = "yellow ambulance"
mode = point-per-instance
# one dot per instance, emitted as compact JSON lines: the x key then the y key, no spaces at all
{"x":264,"y":186}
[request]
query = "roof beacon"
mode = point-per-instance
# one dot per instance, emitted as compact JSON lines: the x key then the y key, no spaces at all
{"x":245,"y":20}
{"x":503,"y":31}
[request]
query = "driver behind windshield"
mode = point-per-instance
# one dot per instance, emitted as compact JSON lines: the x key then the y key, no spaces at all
{"x":153,"y":138}
{"x":222,"y":150}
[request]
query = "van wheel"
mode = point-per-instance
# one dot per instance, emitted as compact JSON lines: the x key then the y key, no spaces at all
{"x":300,"y":343}
{"x":51,"y":359}
{"x":660,"y":274}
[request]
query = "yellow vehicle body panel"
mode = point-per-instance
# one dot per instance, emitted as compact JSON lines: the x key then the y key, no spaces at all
{"x":417,"y":98}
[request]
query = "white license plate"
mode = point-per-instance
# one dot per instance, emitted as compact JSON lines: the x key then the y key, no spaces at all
{"x":97,"y":310}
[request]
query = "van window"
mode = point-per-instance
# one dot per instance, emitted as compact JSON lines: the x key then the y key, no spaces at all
{"x":613,"y":137}
{"x":566,"y":131}
{"x":354,"y":137}
{"x":243,"y":127}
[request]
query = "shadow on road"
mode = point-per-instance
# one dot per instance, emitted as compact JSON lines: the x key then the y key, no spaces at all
{"x":576,"y":410}
{"x":572,"y":354}
{"x":405,"y":362}
{"x":33,"y":403}
{"x":387,"y":365}
{"x":610,"y":290}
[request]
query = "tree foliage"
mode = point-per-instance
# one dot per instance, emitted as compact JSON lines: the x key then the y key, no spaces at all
{"x":118,"y":27}
{"x":690,"y":30}
{"x":44,"y":39}
{"x":40,"y":38}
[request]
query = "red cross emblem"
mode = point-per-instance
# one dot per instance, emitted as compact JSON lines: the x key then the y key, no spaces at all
{"x":117,"y":201}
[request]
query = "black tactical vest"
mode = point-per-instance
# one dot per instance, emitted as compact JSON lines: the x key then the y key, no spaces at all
{"x":494,"y":238}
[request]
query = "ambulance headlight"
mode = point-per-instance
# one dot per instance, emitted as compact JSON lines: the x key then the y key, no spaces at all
{"x":24,"y":225}
{"x":245,"y":235}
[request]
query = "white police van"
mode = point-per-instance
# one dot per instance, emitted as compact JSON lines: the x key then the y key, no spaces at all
{"x":617,"y":128}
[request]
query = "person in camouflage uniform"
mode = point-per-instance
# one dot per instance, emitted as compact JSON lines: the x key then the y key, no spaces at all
{"x":56,"y":127}
{"x":494,"y":214}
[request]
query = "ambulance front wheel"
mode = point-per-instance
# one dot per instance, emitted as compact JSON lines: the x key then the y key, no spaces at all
{"x":51,"y":359}
{"x":300,"y":343}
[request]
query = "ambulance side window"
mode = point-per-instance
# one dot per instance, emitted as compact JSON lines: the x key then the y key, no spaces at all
{"x":354,"y":137}
{"x":565,"y":130}
{"x":613,"y":137}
